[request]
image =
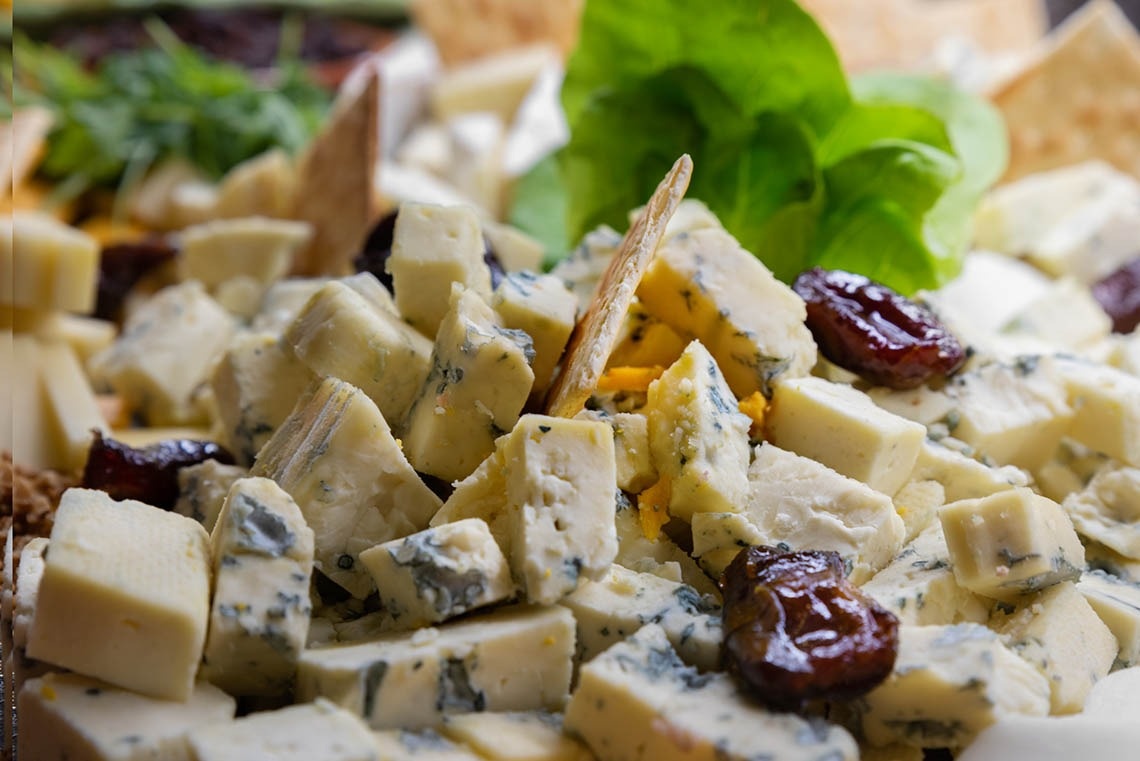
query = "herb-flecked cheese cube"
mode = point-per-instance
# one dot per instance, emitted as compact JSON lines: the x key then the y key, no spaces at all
{"x":705,"y":285}
{"x":1107,"y":409}
{"x":545,"y":309}
{"x":1011,"y":543}
{"x":318,"y":730}
{"x":414,"y":679}
{"x":638,"y":700}
{"x":1116,"y":601}
{"x":262,"y":554}
{"x":948,"y":684}
{"x":1059,"y":634}
{"x":74,"y":717}
{"x":202,"y":490}
{"x":1108,"y":509}
{"x":478,"y":382}
{"x":422,"y":745}
{"x":698,"y":437}
{"x":125,"y":594}
{"x":633,"y":461}
{"x":432,"y":248}
{"x":515,"y":736}
{"x":337,"y":458}
{"x":439,"y":573}
{"x":842,"y":428}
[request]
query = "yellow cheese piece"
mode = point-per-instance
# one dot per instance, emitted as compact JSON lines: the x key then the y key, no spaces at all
{"x":75,"y":410}
{"x":52,"y":265}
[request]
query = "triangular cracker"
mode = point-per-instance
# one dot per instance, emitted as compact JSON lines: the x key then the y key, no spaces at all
{"x":464,"y":30}
{"x":1079,"y":99}
{"x":597,"y":331}
{"x":335,"y":191}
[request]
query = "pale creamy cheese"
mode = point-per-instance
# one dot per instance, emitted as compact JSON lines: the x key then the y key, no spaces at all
{"x":963,"y":477}
{"x":27,"y":588}
{"x":28,"y":418}
{"x":1070,"y":471}
{"x":842,"y":428}
{"x":917,"y":503}
{"x":496,"y":83}
{"x":515,"y":250}
{"x":705,"y":285}
{"x":202,"y":490}
{"x":514,"y":659}
{"x":1053,"y":738}
{"x":282,"y":302}
{"x":1095,"y":238}
{"x":1105,"y":559}
{"x":582,"y":270}
{"x":1011,"y":543}
{"x":318,"y":730}
{"x":87,"y":336}
{"x":638,"y":700}
{"x":479,"y":379}
{"x":73,"y":403}
{"x":948,"y":684}
{"x":1117,"y":696}
{"x":542,"y":307}
{"x":264,"y":185}
{"x":1107,"y":409}
{"x":482,"y":495}
{"x":659,"y":555}
{"x":240,"y":296}
{"x":373,"y":291}
{"x":1108,"y":509}
{"x":439,"y":573}
{"x":1078,"y":326}
{"x":475,"y":166}
{"x":336,"y":456}
{"x":52,"y":265}
{"x":422,"y":745}
{"x":68,"y":717}
{"x":256,"y":247}
{"x":633,"y":462}
{"x":515,"y":736}
{"x":125,"y":594}
{"x":719,"y":537}
{"x":1117,"y":603}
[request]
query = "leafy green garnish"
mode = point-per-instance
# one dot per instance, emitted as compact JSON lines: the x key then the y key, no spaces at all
{"x":878,"y":176}
{"x":142,"y":106}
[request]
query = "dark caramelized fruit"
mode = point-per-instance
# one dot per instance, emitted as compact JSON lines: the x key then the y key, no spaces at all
{"x":1119,"y":296}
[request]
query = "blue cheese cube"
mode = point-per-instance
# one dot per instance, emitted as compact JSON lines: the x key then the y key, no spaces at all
{"x":439,"y":573}
{"x":719,"y":537}
{"x":515,"y":736}
{"x":963,"y":477}
{"x":1108,"y":509}
{"x":634,"y":464}
{"x":424,"y":745}
{"x":318,"y":730}
{"x":73,"y":717}
{"x":638,"y":700}
{"x":1011,"y":543}
{"x":1095,"y":237}
{"x":412,"y":680}
{"x":1107,"y":409}
{"x":698,"y":437}
{"x":1117,"y":602}
{"x":202,"y":490}
{"x":948,"y":684}
{"x":542,"y":307}
{"x":582,"y":270}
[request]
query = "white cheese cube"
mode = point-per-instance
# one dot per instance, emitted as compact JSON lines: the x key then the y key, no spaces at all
{"x":917,"y":503}
{"x":948,"y":684}
{"x":479,"y":380}
{"x":1108,"y":509}
{"x":202,"y":490}
{"x":125,"y":594}
{"x":240,"y":296}
{"x":582,"y":270}
{"x":1117,"y":603}
{"x":1125,"y":353}
{"x":264,"y":185}
{"x":1115,"y":697}
{"x":336,"y":457}
{"x":1095,"y":238}
{"x":1011,"y":543}
{"x":963,"y":477}
{"x":306,"y":732}
{"x":609,"y":610}
{"x":638,"y":700}
{"x":414,"y":679}
{"x":74,"y":406}
{"x":515,"y":736}
{"x":29,"y":430}
{"x":256,"y":247}
{"x":1060,"y":635}
{"x":1051,"y":738}
{"x":698,"y":437}
{"x":166,"y":351}
{"x":705,"y":285}
{"x":796,"y":501}
{"x":282,"y":303}
{"x":87,"y":336}
{"x":633,"y":462}
{"x":373,"y":291}
{"x":990,"y":289}
{"x":496,"y":83}
{"x":1105,"y":559}
{"x":1107,"y":409}
{"x":439,"y":573}
{"x":842,"y":428}
{"x":427,"y":147}
{"x":341,"y":334}
{"x":1066,"y":315}
{"x":514,"y":249}
{"x":422,"y":745}
{"x":542,"y":307}
{"x":73,"y":717}
{"x":51,"y":264}
{"x":432,"y":248}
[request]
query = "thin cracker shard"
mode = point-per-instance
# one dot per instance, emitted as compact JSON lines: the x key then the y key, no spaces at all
{"x":596,"y":333}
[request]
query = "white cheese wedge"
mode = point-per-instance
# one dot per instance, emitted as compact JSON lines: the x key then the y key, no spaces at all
{"x":52,"y":265}
{"x":1117,"y":603}
{"x":412,"y":680}
{"x":318,"y":730}
{"x":256,"y":247}
{"x":515,"y":736}
{"x":1108,"y":509}
{"x":542,"y":307}
{"x":125,"y":594}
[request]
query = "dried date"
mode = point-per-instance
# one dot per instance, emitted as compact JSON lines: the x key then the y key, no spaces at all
{"x":873,"y":331}
{"x":1119,"y":295}
{"x":797,"y":630}
{"x":149,"y":474}
{"x":122,"y":265}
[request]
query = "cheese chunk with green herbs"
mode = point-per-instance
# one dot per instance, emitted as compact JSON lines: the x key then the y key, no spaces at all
{"x":515,"y":736}
{"x":412,"y":680}
{"x":318,"y":730}
{"x":638,"y":700}
{"x":336,"y":457}
{"x":1108,"y":509}
{"x":69,"y":717}
{"x":1011,"y":543}
{"x":439,"y":573}
{"x":1115,"y":600}
{"x":125,"y":595}
{"x":545,"y":309}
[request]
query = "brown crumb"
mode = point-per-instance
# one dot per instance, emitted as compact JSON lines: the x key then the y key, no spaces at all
{"x":28,"y":499}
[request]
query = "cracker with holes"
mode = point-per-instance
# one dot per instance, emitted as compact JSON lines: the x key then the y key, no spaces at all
{"x":597,"y":332}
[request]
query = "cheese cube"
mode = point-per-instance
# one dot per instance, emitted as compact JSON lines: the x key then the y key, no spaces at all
{"x":439,"y":573}
{"x":1011,"y":543}
{"x":515,"y":736}
{"x":483,"y":495}
{"x":582,"y":270}
{"x":719,"y":537}
{"x":413,"y":679}
{"x":318,"y":730}
{"x":948,"y":684}
{"x":609,"y":610}
{"x":264,"y":186}
{"x":283,"y":301}
{"x":638,"y":700}
{"x":1094,"y":238}
{"x":697,"y":436}
{"x":496,"y":83}
{"x":1108,"y":509}
{"x":1117,"y":603}
{"x":29,"y":430}
{"x":74,"y":407}
{"x":475,"y":166}
{"x":125,"y":594}
{"x":1105,"y":559}
{"x":917,"y":503}
{"x":424,"y":745}
{"x":543,"y":308}
{"x":256,"y":247}
{"x":1117,"y":696}
{"x":963,"y":477}
{"x":1059,"y":634}
{"x":1107,"y":409}
{"x":1080,"y":325}
{"x":514,"y":249}
{"x":705,"y":285}
{"x":1051,"y":738}
{"x":340,"y":334}
{"x":52,"y":265}
{"x":646,"y":341}
{"x":432,"y":248}
{"x":633,"y":462}
{"x":840,"y":427}
{"x":262,"y":553}
{"x":373,"y":291}
{"x":87,"y":336}
{"x":336,"y":457}
{"x":796,"y":501}
{"x":202,"y":490}
{"x":479,"y":380}
{"x":661,"y":555}
{"x":68,"y":716}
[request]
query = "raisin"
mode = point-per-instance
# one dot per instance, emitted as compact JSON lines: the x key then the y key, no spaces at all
{"x":1119,"y":295}
{"x":149,"y":474}
{"x":872,"y":331}
{"x":797,"y":630}
{"x":122,"y":265}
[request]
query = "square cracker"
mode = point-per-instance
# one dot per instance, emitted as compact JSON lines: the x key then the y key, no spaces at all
{"x":464,"y":30}
{"x":335,"y":191}
{"x":597,"y":331}
{"x":1079,"y":99}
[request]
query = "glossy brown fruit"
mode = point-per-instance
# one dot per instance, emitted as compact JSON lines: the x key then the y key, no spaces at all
{"x":1119,"y":295}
